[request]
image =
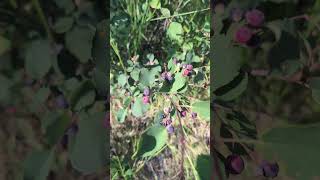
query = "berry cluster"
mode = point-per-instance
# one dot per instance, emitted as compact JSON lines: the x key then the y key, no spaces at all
{"x":234,"y":164}
{"x":146,"y":96}
{"x":245,"y":34}
{"x":187,"y":70}
{"x":166,"y":120}
{"x":167,"y":76}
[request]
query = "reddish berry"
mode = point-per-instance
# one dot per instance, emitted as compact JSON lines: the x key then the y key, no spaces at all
{"x":236,"y":14}
{"x":243,"y":35}
{"x":146,"y":99}
{"x":234,"y":164}
{"x":255,"y":18}
{"x":11,"y":110}
{"x":185,"y":72}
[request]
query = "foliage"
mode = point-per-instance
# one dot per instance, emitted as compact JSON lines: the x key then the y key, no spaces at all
{"x":265,"y":57}
{"x":53,"y":77}
{"x":159,"y":86}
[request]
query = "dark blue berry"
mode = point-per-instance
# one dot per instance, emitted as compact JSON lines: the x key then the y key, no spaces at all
{"x":64,"y":141}
{"x":270,"y":170}
{"x":162,"y":116}
{"x":61,"y":102}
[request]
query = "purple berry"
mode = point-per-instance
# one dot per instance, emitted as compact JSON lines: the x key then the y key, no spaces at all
{"x":146,"y":92}
{"x":243,"y":35}
{"x":234,"y":164}
{"x":194,"y":115}
{"x":29,"y":82}
{"x":72,"y":129}
{"x":170,"y":129}
{"x":255,"y":18}
{"x":169,"y":76}
{"x":183,"y":113}
{"x":236,"y":14}
{"x":61,"y":102}
{"x":146,"y":99}
{"x":164,"y":75}
{"x":189,"y":67}
{"x":106,"y":121}
{"x":270,"y":170}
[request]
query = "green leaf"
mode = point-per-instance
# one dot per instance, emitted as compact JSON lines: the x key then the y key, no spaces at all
{"x":225,"y":65}
{"x":287,"y":48}
{"x":63,"y":25}
{"x":152,"y":141}
{"x":206,"y":167}
{"x":86,"y":100}
{"x":38,"y":58}
{"x":314,"y":83}
{"x":5,"y":92}
{"x":156,"y":4}
{"x":100,"y":47}
{"x":37,"y":165}
{"x":165,"y":12}
{"x":122,"y":79}
{"x":295,"y":148}
{"x":138,"y":108}
{"x":316,"y":95}
{"x":101,"y":81}
{"x":280,"y":26}
{"x":147,"y":77}
{"x":238,"y":86}
{"x":89,"y":152}
{"x":135,"y":74}
{"x":39,"y":99}
{"x":79,"y":42}
{"x":179,"y":82}
{"x":82,"y":95}
{"x":175,"y":32}
{"x":67,"y":5}
{"x":57,"y":128}
{"x":121,"y":115}
{"x":5,"y":45}
{"x":202,"y":108}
